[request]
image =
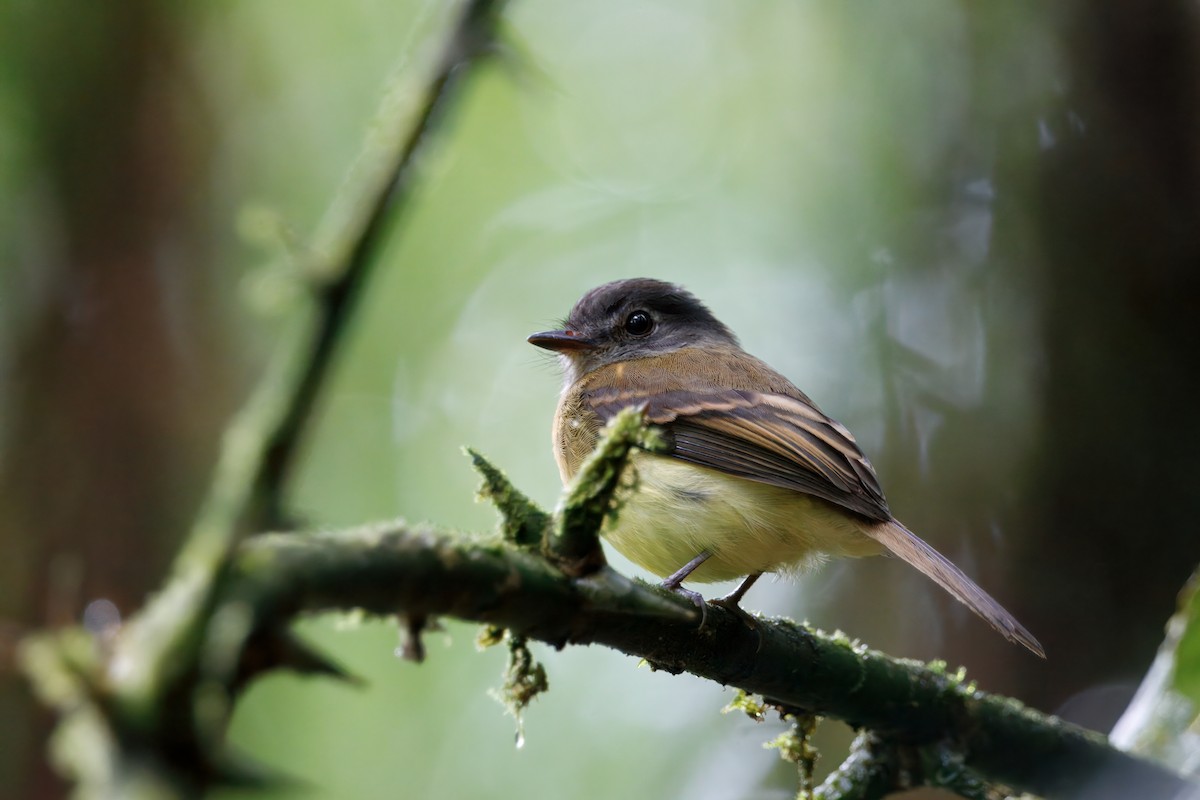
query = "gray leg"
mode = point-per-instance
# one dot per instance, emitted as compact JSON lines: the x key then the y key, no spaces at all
{"x":732,"y":599}
{"x":676,"y":578}
{"x":730,"y":602}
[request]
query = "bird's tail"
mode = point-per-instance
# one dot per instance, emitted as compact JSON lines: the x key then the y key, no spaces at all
{"x":906,"y":544}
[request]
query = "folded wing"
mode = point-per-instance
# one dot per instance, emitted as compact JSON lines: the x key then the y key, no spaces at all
{"x":766,"y":437}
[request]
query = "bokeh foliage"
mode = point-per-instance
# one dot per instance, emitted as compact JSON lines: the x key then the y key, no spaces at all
{"x":938,"y":219}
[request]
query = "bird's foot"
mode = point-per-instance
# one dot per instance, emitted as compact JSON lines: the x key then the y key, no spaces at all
{"x":674,"y":582}
{"x":731,"y":604}
{"x":695,"y":597}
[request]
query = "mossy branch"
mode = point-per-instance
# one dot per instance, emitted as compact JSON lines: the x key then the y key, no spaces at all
{"x":573,"y":542}
{"x":423,"y":572}
{"x":868,"y":773}
{"x":523,"y":523}
{"x":145,"y":715}
{"x":427,"y":572}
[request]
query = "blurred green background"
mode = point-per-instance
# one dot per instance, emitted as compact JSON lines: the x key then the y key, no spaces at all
{"x":967,"y":232}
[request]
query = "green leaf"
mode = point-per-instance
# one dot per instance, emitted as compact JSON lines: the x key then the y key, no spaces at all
{"x":1163,"y":720}
{"x":1187,"y":653}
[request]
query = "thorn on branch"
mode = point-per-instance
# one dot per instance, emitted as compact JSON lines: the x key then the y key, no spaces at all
{"x":274,"y":649}
{"x":412,"y":646}
{"x":606,"y":588}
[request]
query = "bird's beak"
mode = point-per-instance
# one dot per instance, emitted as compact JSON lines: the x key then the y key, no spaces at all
{"x":565,"y":341}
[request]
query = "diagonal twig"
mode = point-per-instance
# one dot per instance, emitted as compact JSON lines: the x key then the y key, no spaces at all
{"x":348,"y":251}
{"x":147,"y":685}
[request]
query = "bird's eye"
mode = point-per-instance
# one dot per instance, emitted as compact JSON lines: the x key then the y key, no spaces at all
{"x":639,"y":323}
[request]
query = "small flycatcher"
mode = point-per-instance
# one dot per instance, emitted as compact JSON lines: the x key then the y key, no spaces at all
{"x":757,"y":478}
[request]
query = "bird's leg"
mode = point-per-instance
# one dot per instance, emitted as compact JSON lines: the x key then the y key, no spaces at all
{"x":732,"y":599}
{"x":730,"y":602}
{"x":675,"y":580}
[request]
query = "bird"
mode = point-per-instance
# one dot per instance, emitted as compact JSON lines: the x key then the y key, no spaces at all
{"x":753,"y":477}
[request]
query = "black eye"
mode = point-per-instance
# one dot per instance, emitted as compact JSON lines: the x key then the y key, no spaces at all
{"x":638,"y":323}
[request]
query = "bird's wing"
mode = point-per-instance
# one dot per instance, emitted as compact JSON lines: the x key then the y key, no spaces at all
{"x":778,"y":439}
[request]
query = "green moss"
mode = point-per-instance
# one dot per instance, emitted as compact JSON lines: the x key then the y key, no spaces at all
{"x":795,"y":747}
{"x":524,"y":679}
{"x":489,"y":636}
{"x":575,"y":539}
{"x":521,"y":521}
{"x":1187,"y":652}
{"x":750,"y":705}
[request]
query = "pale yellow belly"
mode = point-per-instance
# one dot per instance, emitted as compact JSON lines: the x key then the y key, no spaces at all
{"x":677,"y":511}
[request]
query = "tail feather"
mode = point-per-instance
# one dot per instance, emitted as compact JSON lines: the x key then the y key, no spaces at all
{"x":906,"y":544}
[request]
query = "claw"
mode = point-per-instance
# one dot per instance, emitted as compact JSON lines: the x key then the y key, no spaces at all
{"x":730,"y":604}
{"x":695,"y":597}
